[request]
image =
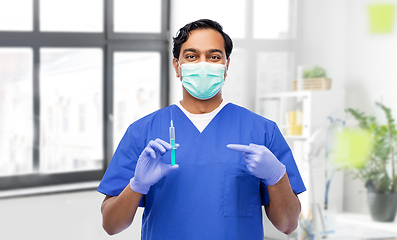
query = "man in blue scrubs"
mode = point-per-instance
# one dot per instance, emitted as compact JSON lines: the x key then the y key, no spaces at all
{"x":230,"y":161}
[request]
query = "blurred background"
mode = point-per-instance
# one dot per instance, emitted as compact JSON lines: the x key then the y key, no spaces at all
{"x":74,"y":74}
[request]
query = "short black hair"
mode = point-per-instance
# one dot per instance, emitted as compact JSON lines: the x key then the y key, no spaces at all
{"x":184,"y":32}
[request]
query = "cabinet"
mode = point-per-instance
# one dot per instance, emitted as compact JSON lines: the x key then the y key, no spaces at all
{"x":317,"y":108}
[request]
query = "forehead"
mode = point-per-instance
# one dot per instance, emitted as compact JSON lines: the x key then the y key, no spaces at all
{"x":203,"y":40}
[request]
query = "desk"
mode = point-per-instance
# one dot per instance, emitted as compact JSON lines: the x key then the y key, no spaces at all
{"x":359,"y":227}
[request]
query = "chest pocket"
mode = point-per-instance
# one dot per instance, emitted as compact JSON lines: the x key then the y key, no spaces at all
{"x":241,"y":196}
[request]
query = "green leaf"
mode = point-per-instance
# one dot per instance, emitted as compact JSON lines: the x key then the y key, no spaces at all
{"x":381,"y":153}
{"x":315,"y":72}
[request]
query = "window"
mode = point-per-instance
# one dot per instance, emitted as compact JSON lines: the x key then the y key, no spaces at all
{"x":16,"y":15}
{"x":70,"y":78}
{"x":68,"y":84}
{"x":132,"y":16}
{"x":272,"y":75}
{"x":271,"y":19}
{"x":56,"y":16}
{"x":136,"y":88}
{"x":16,"y":111}
{"x":231,"y":14}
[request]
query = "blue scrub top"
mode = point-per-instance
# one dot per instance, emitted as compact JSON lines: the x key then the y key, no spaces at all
{"x":211,"y":195}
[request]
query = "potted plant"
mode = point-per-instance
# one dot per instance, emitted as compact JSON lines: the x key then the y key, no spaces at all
{"x":315,"y":72}
{"x":378,"y":170}
{"x":314,"y":78}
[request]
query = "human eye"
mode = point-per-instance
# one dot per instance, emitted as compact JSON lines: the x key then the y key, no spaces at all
{"x":190,"y":57}
{"x":215,"y":58}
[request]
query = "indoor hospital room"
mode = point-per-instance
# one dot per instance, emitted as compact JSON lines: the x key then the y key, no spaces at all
{"x":79,"y":78}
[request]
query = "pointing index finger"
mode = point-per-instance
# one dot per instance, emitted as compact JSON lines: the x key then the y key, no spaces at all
{"x":240,"y":148}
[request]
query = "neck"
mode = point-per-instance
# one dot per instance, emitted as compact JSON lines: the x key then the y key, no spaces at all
{"x":197,"y":106}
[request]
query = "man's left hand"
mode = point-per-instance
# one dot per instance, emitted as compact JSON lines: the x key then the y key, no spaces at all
{"x":261,"y":162}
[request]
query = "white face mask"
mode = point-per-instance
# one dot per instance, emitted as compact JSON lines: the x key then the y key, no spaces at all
{"x":203,"y":80}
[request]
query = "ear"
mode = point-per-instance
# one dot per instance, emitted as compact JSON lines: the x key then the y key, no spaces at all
{"x":227,"y":66}
{"x":175,"y":64}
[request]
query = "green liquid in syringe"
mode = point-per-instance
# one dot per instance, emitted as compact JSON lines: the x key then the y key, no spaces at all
{"x":173,"y":152}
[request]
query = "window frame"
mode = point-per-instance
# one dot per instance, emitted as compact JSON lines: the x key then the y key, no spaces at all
{"x":140,"y":46}
{"x":254,"y":46}
{"x":109,"y":42}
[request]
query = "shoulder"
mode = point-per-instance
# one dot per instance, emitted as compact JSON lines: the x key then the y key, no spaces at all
{"x":251,"y":117}
{"x":151,"y":118}
{"x":148,"y":123}
{"x":256,"y":128}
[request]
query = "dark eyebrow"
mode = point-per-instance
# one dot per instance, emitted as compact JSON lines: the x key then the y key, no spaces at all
{"x":215,"y":50}
{"x":209,"y":51}
{"x":189,"y":50}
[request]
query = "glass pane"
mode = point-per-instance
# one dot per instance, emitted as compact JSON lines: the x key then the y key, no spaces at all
{"x":71,"y":15}
{"x":71,"y":117}
{"x":16,"y":15}
{"x":229,"y":13}
{"x":235,"y":86}
{"x":271,"y":19}
{"x":137,"y":16}
{"x":274,"y":72}
{"x":136,"y":88}
{"x":16,"y":111}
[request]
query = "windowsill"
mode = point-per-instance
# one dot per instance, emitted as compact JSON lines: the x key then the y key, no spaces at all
{"x":49,"y":189}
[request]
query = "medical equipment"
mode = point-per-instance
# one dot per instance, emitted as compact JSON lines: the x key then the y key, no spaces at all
{"x":150,"y":167}
{"x":322,"y":222}
{"x":203,"y":80}
{"x":172,"y":142}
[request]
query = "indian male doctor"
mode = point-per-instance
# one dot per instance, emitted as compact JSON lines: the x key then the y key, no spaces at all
{"x":230,"y":161}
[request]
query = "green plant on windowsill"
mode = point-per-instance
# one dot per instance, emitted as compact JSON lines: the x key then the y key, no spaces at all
{"x":378,"y":171}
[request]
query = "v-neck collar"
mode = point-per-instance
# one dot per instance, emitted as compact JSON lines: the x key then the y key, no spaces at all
{"x":198,"y":119}
{"x":193,"y":142}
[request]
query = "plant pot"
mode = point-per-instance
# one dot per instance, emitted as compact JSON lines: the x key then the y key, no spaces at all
{"x":383,"y":206}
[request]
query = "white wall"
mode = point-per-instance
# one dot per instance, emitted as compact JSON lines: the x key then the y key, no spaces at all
{"x":371,"y":72}
{"x":371,"y":75}
{"x":335,"y":34}
{"x":322,"y":37}
{"x":321,"y":40}
{"x":61,"y":216}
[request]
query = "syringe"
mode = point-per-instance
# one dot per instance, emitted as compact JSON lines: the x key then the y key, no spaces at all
{"x":172,"y":142}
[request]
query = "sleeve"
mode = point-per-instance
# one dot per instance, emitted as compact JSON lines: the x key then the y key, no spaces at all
{"x":279,"y":147}
{"x":122,"y":167}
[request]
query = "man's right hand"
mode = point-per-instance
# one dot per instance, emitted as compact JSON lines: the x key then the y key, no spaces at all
{"x":150,"y":169}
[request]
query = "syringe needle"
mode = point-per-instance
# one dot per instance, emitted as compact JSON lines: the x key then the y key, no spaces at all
{"x":172,"y":142}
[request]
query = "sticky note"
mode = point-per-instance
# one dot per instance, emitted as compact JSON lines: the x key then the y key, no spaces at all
{"x":381,"y":18}
{"x":352,"y":147}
